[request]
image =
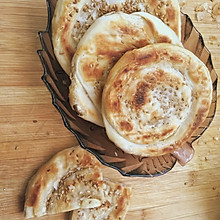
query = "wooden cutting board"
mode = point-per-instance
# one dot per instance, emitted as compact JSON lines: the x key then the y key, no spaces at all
{"x":31,"y":129}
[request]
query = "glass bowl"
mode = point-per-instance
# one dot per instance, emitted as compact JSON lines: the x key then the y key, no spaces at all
{"x":92,"y":137}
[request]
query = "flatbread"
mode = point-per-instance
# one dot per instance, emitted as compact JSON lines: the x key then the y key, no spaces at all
{"x":114,"y":207}
{"x":155,"y":98}
{"x":73,"y":17}
{"x":107,"y":39}
{"x":70,"y":180}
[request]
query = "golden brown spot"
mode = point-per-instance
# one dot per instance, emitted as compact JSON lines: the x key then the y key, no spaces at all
{"x":205,"y":102}
{"x":126,"y":126}
{"x":119,"y":207}
{"x":176,"y":59}
{"x":199,"y":118}
{"x":116,"y":105}
{"x":126,"y":30}
{"x":92,"y":71}
{"x":168,"y":149}
{"x":160,"y":74}
{"x":155,"y":114}
{"x":51,"y":170}
{"x":119,"y":187}
{"x":34,"y":196}
{"x":164,"y":39}
{"x":118,"y":83}
{"x":87,"y":160}
{"x":107,"y":48}
{"x":151,"y":57}
{"x":96,"y":175}
{"x":194,"y":77}
{"x":171,"y":13}
{"x":65,"y":43}
{"x":166,"y":132}
{"x":153,"y":3}
{"x":140,"y":95}
{"x":146,"y":136}
{"x":151,"y":27}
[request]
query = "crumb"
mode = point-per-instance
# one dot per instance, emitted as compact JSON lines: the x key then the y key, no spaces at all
{"x":206,"y":159}
{"x":209,"y":9}
{"x":202,"y":7}
{"x":216,"y":12}
{"x":201,"y":10}
{"x":116,"y":154}
{"x":34,"y":121}
{"x":214,"y":188}
{"x":215,"y":138}
{"x":4,"y":189}
{"x":212,"y":39}
{"x":200,"y":15}
{"x":216,"y":9}
{"x":182,"y":3}
{"x":16,"y":147}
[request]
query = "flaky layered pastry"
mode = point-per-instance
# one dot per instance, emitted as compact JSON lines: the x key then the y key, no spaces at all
{"x":70,"y":180}
{"x":114,"y":207}
{"x":73,"y":17}
{"x":73,"y":180}
{"x":107,"y":39}
{"x":155,"y":98}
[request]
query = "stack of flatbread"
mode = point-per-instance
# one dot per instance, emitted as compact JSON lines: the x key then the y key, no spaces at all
{"x":72,"y":18}
{"x":131,"y":75}
{"x":130,"y":72}
{"x":90,"y":36}
{"x":73,"y":180}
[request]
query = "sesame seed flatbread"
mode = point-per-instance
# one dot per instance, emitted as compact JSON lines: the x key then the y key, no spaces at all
{"x":72,"y":18}
{"x":154,"y":99}
{"x":70,"y":180}
{"x":106,"y":40}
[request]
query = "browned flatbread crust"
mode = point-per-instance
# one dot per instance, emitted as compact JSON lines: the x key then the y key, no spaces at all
{"x":72,"y":180}
{"x":62,"y":184}
{"x":107,"y":39}
{"x":155,"y":98}
{"x":114,"y":206}
{"x":72,"y":19}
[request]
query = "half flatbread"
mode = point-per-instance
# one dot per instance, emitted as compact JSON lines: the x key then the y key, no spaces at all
{"x":70,"y":180}
{"x":114,"y":207}
{"x":155,"y":98}
{"x":73,"y":17}
{"x":107,"y":39}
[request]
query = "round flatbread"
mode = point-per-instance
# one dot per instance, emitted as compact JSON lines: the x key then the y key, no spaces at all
{"x":155,"y":98}
{"x":73,"y":17}
{"x":107,"y":39}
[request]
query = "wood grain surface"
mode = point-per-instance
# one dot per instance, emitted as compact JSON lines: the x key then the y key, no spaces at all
{"x":31,"y":129}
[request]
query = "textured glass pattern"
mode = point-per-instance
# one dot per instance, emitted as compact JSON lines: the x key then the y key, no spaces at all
{"x":93,"y":138}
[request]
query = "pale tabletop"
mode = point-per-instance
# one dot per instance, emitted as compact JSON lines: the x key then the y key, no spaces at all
{"x":31,"y":129}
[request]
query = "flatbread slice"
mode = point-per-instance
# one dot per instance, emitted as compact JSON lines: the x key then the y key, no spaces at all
{"x":113,"y":207}
{"x":72,"y":18}
{"x":70,"y":180}
{"x":154,"y":99}
{"x":107,"y":39}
